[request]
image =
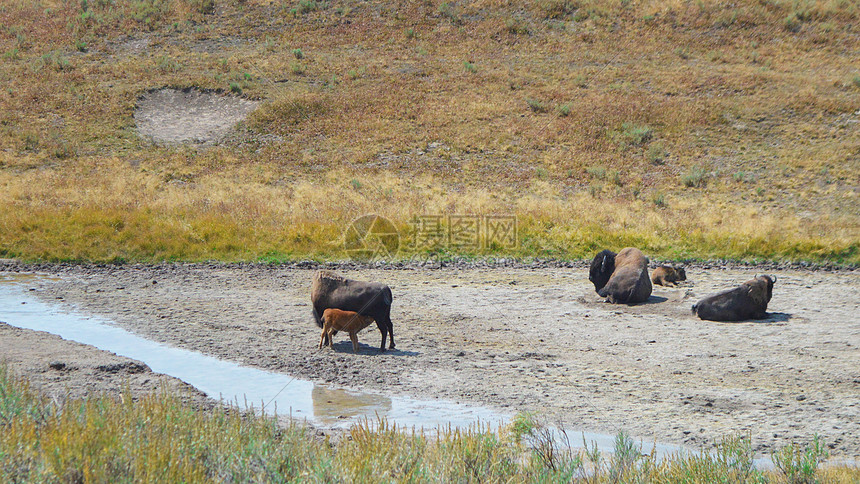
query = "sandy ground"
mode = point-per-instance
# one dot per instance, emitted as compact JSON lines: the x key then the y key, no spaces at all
{"x":534,"y":339}
{"x":172,"y":116}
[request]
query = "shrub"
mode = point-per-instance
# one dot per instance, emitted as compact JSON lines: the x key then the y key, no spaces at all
{"x":536,"y":106}
{"x":307,"y":6}
{"x":449,"y":12}
{"x":741,"y":176}
{"x":695,"y":177}
{"x":470,"y":67}
{"x":800,"y":464}
{"x":597,"y":172}
{"x":55,"y":60}
{"x":655,"y":153}
{"x":206,"y":7}
{"x":564,"y":110}
{"x":556,"y":8}
{"x":167,"y":64}
{"x":298,"y":54}
{"x":636,"y":135}
{"x":516,"y":26}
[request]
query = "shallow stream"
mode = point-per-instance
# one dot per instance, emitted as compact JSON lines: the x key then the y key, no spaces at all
{"x":250,"y":387}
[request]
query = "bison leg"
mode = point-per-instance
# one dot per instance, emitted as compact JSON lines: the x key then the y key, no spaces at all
{"x":391,"y":334}
{"x":383,"y":330}
{"x":386,"y":328}
{"x":354,"y":339}
{"x":329,"y":338}
{"x":384,"y":334}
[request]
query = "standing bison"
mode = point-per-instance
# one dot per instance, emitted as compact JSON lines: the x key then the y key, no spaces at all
{"x":622,"y":277}
{"x":366,"y":298}
{"x":747,"y":301}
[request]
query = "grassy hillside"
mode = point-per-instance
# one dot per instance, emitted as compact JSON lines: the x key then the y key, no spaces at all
{"x":690,"y":129}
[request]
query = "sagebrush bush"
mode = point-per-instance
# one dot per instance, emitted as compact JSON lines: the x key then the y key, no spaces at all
{"x":695,"y":177}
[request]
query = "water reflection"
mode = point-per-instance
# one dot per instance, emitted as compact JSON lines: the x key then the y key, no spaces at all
{"x":333,"y":405}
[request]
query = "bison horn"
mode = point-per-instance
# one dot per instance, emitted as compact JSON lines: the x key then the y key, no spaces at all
{"x":773,"y":278}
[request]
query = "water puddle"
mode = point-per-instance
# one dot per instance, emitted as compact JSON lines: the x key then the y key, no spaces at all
{"x":322,"y":405}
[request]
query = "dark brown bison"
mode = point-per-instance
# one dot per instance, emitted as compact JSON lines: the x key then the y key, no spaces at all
{"x":366,"y":298}
{"x":668,"y":275}
{"x":747,"y":301}
{"x":622,"y":277}
{"x":335,"y":320}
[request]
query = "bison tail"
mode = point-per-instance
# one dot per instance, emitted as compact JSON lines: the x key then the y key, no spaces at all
{"x":317,"y":318}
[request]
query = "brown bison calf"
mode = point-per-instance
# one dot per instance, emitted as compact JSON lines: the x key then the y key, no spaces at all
{"x":747,"y":301}
{"x":668,"y":275}
{"x":335,"y":320}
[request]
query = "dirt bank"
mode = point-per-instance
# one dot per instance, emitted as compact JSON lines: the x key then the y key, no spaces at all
{"x":519,"y":339}
{"x":64,"y":370}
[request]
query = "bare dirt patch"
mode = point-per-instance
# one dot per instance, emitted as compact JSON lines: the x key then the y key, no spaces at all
{"x":171,"y":116}
{"x":527,"y":339}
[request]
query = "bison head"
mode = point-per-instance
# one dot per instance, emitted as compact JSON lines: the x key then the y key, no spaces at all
{"x":682,"y":274}
{"x":602,"y":268}
{"x":769,"y":281}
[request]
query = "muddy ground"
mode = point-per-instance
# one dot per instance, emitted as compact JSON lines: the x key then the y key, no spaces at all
{"x":534,"y":339}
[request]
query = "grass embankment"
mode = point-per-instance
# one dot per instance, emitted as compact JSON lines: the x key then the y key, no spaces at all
{"x":685,"y":128}
{"x":157,"y":438}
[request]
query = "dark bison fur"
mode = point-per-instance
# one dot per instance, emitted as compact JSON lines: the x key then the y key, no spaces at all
{"x":621,"y":277}
{"x":747,"y":301}
{"x":373,"y":299}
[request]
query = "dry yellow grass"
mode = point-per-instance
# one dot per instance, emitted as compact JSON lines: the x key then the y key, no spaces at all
{"x":403,"y":109}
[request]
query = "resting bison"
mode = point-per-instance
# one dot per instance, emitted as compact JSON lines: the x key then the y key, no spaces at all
{"x":366,"y":298}
{"x":335,"y":320}
{"x":668,"y":275}
{"x":622,"y":277}
{"x":747,"y":301}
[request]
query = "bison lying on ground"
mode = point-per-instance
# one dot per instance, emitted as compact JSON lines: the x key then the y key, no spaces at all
{"x":335,"y":320}
{"x":747,"y":301}
{"x":668,"y":275}
{"x":366,"y":298}
{"x":622,"y":277}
